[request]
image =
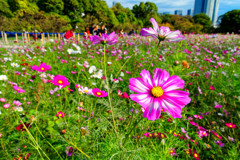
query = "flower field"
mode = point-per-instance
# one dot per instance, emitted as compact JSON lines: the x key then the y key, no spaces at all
{"x":130,"y":97}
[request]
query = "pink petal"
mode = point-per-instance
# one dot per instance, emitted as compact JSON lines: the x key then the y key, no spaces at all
{"x":153,"y":111}
{"x":143,"y":99}
{"x":174,"y":111}
{"x":155,"y":24}
{"x":160,"y":76}
{"x":173,"y":83}
{"x":137,"y":85}
{"x":146,"y":77}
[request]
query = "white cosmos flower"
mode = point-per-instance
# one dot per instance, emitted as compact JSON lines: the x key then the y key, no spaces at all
{"x":19,"y":109}
{"x":15,"y":65}
{"x":92,"y":69}
{"x":3,"y":77}
{"x":98,"y":75}
{"x":121,"y":74}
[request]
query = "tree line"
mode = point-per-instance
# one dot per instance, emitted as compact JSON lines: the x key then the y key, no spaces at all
{"x":62,"y":15}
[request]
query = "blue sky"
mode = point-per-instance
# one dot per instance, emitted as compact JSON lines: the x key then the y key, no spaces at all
{"x":171,"y":5}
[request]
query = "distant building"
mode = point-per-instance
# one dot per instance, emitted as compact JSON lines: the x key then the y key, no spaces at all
{"x":209,"y":7}
{"x":113,"y":3}
{"x":190,"y":12}
{"x":178,"y":12}
{"x":166,"y":13}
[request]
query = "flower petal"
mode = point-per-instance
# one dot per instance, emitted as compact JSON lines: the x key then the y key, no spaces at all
{"x":153,"y":111}
{"x":146,"y":77}
{"x":143,"y":99}
{"x":180,"y":97}
{"x":155,"y":24}
{"x":149,"y":32}
{"x":173,"y":110}
{"x":160,"y":76}
{"x":173,"y":83}
{"x":138,"y":85}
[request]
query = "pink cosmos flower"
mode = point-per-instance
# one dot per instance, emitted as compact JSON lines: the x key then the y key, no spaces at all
{"x":159,"y":92}
{"x":98,"y":93}
{"x":42,"y":68}
{"x":202,"y":133}
{"x":18,"y":89}
{"x":219,"y":143}
{"x":231,"y":125}
{"x":183,"y":130}
{"x":17,"y":103}
{"x":162,"y":33}
{"x":61,"y":81}
{"x":215,"y":134}
{"x":2,"y":100}
{"x":217,"y":105}
{"x":212,"y":88}
{"x":198,"y":116}
{"x":172,"y":151}
{"x":6,"y":105}
{"x":60,"y":114}
{"x":104,"y":39}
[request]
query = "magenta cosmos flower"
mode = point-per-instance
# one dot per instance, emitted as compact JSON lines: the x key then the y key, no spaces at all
{"x":104,"y":39}
{"x":18,"y":89}
{"x":162,"y":33}
{"x":42,"y":68}
{"x":98,"y":93}
{"x":61,"y":81}
{"x":159,"y":92}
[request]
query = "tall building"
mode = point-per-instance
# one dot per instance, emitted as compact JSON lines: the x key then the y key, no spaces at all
{"x":113,"y":3}
{"x":209,"y":7}
{"x":178,"y":12}
{"x":166,"y":13}
{"x":190,"y":12}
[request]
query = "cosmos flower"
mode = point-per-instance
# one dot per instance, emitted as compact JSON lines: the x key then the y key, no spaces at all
{"x":159,"y":92}
{"x":42,"y":68}
{"x":231,"y":125}
{"x":212,"y":88}
{"x":15,"y":65}
{"x":162,"y":33}
{"x":60,"y":114}
{"x":6,"y":105}
{"x":98,"y":93}
{"x":2,"y":100}
{"x":195,"y":155}
{"x":61,"y":81}
{"x":104,"y":39}
{"x":69,"y":151}
{"x":92,"y":69}
{"x":219,"y":143}
{"x":172,"y":151}
{"x":18,"y":89}
{"x":17,"y":103}
{"x":3,"y":78}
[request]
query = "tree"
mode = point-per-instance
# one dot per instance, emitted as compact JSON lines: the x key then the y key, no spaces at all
{"x":204,"y":20}
{"x":55,"y":6}
{"x":230,"y":21}
{"x":5,"y":9}
{"x":145,"y":11}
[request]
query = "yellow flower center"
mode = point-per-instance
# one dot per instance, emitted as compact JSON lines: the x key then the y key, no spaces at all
{"x":60,"y":115}
{"x":42,"y":69}
{"x":99,"y":93}
{"x":196,"y":155}
{"x":157,"y":91}
{"x":171,"y":151}
{"x":230,"y":126}
{"x":86,"y":91}
{"x":18,"y":89}
{"x":60,"y":82}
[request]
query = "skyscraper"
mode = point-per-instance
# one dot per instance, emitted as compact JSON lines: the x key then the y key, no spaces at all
{"x":190,"y":12}
{"x":209,"y":7}
{"x":178,"y":12}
